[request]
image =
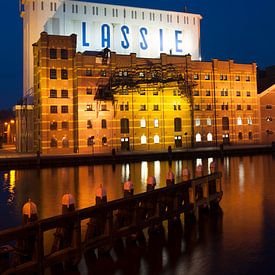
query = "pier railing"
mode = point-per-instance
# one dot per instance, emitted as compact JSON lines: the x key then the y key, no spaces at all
{"x":23,"y":249}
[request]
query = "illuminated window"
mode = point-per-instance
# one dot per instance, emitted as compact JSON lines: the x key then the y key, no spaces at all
{"x":196,"y":93}
{"x":247,"y":78}
{"x":156,"y":123}
{"x":64,"y":54}
{"x":53,"y":125}
{"x":207,"y":77}
{"x":53,"y":74}
{"x":143,"y":123}
{"x":268,"y":119}
{"x":53,"y":142}
{"x":53,"y":93}
{"x":249,"y":121}
{"x":64,"y":109}
{"x":104,"y":141}
{"x":65,"y":142}
{"x":207,"y":93}
{"x":90,"y":141}
{"x":156,"y":139}
{"x":198,"y":137}
{"x":239,"y":121}
{"x":64,"y":74}
{"x":104,"y":124}
{"x":208,"y":121}
{"x":53,"y":109}
{"x":53,"y":53}
{"x":64,"y":93}
{"x":209,"y":137}
{"x":196,"y":76}
{"x":65,"y":125}
{"x":177,"y":124}
{"x":124,"y":126}
{"x":89,"y":124}
{"x":197,"y":121}
{"x":237,"y":78}
{"x":143,"y":139}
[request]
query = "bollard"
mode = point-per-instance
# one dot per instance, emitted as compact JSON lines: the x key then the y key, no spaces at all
{"x":101,"y":195}
{"x":29,"y":212}
{"x":128,"y":188}
{"x":185,"y":174}
{"x":170,"y":178}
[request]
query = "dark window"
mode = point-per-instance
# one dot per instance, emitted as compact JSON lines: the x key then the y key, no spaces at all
{"x":239,"y":106}
{"x":64,"y":54}
{"x":65,"y":125}
{"x":238,"y":93}
{"x":89,"y":91}
{"x":89,"y":72}
{"x":64,"y":94}
{"x":53,"y":93}
{"x":103,"y":123}
{"x":207,"y":93}
{"x":64,"y":74}
{"x":175,"y":107}
{"x":250,"y":135}
{"x":249,"y":107}
{"x":103,"y":73}
{"x":240,"y":135}
{"x":248,"y":94}
{"x":53,"y":109}
{"x":177,"y":124}
{"x":124,"y":126}
{"x":89,"y":124}
{"x":225,"y":123}
{"x":268,"y":119}
{"x":142,"y":107}
{"x":197,"y":107}
{"x":208,"y":107}
{"x":53,"y":142}
{"x":90,"y":141}
{"x":142,"y":92}
{"x":179,"y":107}
{"x":64,"y":109}
{"x":104,"y":141}
{"x":53,"y":125}
{"x":126,"y":107}
{"x":103,"y":107}
{"x":121,"y":107}
{"x":53,"y":74}
{"x":247,"y":78}
{"x":155,"y":92}
{"x":268,"y":106}
{"x":237,"y":78}
{"x":53,"y":53}
{"x":196,"y":76}
{"x":196,"y":93}
{"x":156,"y":107}
{"x":89,"y":107}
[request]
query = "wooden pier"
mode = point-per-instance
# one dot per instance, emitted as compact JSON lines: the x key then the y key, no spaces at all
{"x":140,"y":211}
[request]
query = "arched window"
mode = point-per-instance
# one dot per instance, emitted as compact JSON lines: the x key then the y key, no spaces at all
{"x":53,"y":142}
{"x":250,"y":135}
{"x":198,"y":137}
{"x":143,"y":139}
{"x":65,"y":142}
{"x":209,"y":137}
{"x":239,"y":121}
{"x":104,"y":141}
{"x":249,"y":121}
{"x":156,"y":139}
{"x":142,"y":123}
{"x":225,"y":123}
{"x":90,"y":141}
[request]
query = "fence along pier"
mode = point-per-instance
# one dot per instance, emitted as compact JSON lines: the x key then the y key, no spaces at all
{"x":169,"y":202}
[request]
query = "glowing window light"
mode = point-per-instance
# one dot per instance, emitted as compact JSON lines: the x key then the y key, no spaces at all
{"x":143,"y":139}
{"x":156,"y":139}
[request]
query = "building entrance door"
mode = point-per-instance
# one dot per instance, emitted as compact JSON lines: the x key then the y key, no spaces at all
{"x":225,"y":139}
{"x":178,"y":141}
{"x":125,"y":144}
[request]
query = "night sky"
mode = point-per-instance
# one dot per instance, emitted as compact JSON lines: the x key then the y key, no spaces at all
{"x":242,"y":30}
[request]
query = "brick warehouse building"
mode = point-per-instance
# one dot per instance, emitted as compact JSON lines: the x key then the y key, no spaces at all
{"x":94,"y":101}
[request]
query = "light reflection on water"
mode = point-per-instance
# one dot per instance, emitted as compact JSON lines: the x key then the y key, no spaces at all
{"x":241,"y":241}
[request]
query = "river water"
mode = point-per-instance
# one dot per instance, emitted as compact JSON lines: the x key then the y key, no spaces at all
{"x":239,"y":239}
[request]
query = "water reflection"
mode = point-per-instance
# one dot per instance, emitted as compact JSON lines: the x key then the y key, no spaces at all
{"x":245,"y":229}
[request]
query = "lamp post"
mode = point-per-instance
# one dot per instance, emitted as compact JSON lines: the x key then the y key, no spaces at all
{"x":185,"y":134}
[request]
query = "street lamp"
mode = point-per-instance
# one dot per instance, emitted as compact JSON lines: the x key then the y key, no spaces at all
{"x":185,"y":134}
